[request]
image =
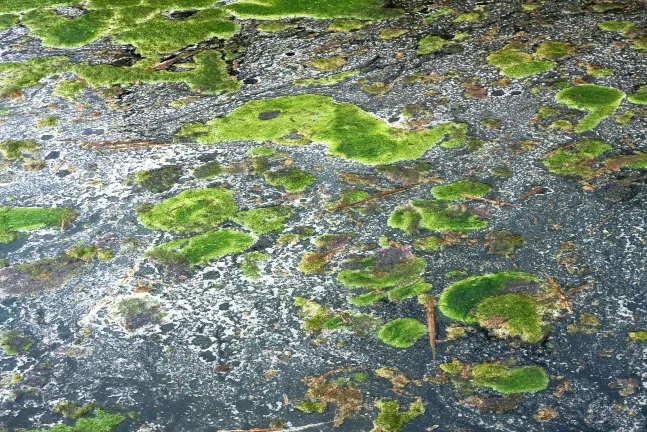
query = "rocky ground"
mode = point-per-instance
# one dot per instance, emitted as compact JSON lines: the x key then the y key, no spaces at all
{"x":323,"y":215}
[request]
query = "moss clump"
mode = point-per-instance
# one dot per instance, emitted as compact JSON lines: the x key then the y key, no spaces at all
{"x":346,"y":25}
{"x":453,"y":191}
{"x":454,"y":367}
{"x":13,"y":342}
{"x":431,"y":243}
{"x":8,"y":236}
{"x":102,"y":421}
{"x":600,"y":101}
{"x":14,"y":219}
{"x":278,"y":9}
{"x":616,"y":26}
{"x":438,"y":13}
{"x":503,"y":242}
{"x":509,"y":380}
{"x":317,"y":318}
{"x":251,"y":264}
{"x":202,"y":248}
{"x":553,"y":50}
{"x":136,"y":312}
{"x":639,"y":97}
{"x":49,"y":121}
{"x":350,"y":132}
{"x":430,"y":44}
{"x":435,"y":215}
{"x":328,"y":63}
{"x":470,"y":17}
{"x":515,"y":63}
{"x":264,"y":220}
{"x":274,"y":26}
{"x":638,"y":335}
{"x":599,"y":72}
{"x":190,"y":211}
{"x":348,"y":198}
{"x":512,"y":315}
{"x":579,"y":159}
{"x":73,"y":411}
{"x":293,"y":180}
{"x":402,"y":332}
{"x":391,"y":419}
{"x":607,"y":7}
{"x":87,"y":253}
{"x":312,"y":407}
{"x":159,"y":180}
{"x":460,"y":298}
{"x":69,"y":89}
{"x":13,"y":150}
{"x":208,"y":170}
{"x":390,"y":33}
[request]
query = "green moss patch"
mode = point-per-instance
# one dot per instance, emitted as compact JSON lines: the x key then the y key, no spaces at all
{"x":453,"y":191}
{"x":616,"y":26}
{"x":13,"y":150}
{"x":201,"y":249}
{"x":435,"y":215}
{"x":328,"y":63}
{"x":293,"y":180}
{"x":208,"y":170}
{"x":13,"y":219}
{"x":317,"y":318}
{"x":402,"y":332}
{"x":639,"y":97}
{"x":600,"y":101}
{"x":553,"y":50}
{"x":579,"y":159}
{"x":512,"y":315}
{"x":509,"y":380}
{"x":13,"y":342}
{"x":251,"y":265}
{"x":264,"y":220}
{"x":391,"y":33}
{"x":73,"y":411}
{"x":160,"y":179}
{"x":101,"y":421}
{"x":515,"y":63}
{"x":349,"y":131}
{"x":70,"y":89}
{"x":278,"y":9}
{"x":8,"y":20}
{"x":430,"y":44}
{"x":190,"y":211}
{"x":392,"y":419}
{"x":638,"y":335}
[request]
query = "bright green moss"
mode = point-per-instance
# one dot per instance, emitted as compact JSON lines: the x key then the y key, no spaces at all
{"x":515,"y":63}
{"x":507,"y":57}
{"x":600,"y":101}
{"x":8,"y":20}
{"x":158,"y":180}
{"x":13,"y":150}
{"x":579,"y":160}
{"x":350,"y":132}
{"x":430,"y":44}
{"x":512,"y":315}
{"x":459,"y":299}
{"x":639,"y":97}
{"x":638,"y":335}
{"x":616,"y":26}
{"x":599,"y":72}
{"x":58,"y":31}
{"x":391,"y":419}
{"x":208,"y":170}
{"x":533,"y":67}
{"x":413,"y":289}
{"x":264,"y":220}
{"x":453,"y":191}
{"x":278,"y":9}
{"x":293,"y":180}
{"x":378,"y":277}
{"x":312,"y":407}
{"x":274,"y":26}
{"x":328,"y":63}
{"x":8,"y":236}
{"x":368,"y":299}
{"x":328,"y":80}
{"x":251,"y":264}
{"x":435,"y":215}
{"x":390,"y":33}
{"x":73,"y":411}
{"x":469,"y":17}
{"x":530,"y":6}
{"x":32,"y":218}
{"x":69,"y":89}
{"x":13,"y":342}
{"x":553,"y":50}
{"x":402,"y":332}
{"x":508,"y":380}
{"x":202,"y":248}
{"x":190,"y":211}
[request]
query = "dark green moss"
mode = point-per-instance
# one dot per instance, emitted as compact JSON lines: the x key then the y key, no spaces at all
{"x":13,"y":342}
{"x":159,"y":180}
{"x":73,"y":411}
{"x":293,"y":180}
{"x":13,"y":150}
{"x":208,"y":170}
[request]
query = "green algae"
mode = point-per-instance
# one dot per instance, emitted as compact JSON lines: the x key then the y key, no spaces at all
{"x":278,"y":9}
{"x":460,"y":298}
{"x":13,"y":150}
{"x":431,"y":44}
{"x":579,"y":160}
{"x":435,"y":215}
{"x":391,"y":419}
{"x":402,"y":332}
{"x":264,"y":220}
{"x":208,"y":170}
{"x":510,"y":380}
{"x":292,"y":180}
{"x":13,"y":342}
{"x":512,"y":315}
{"x":158,"y":180}
{"x":453,"y":191}
{"x":639,"y":97}
{"x":328,"y":80}
{"x":73,"y":411}
{"x":201,"y":249}
{"x":600,"y":101}
{"x":251,"y":264}
{"x":350,"y":132}
{"x":102,"y":421}
{"x":190,"y":211}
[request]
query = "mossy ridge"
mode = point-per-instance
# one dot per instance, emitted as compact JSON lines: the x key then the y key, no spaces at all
{"x":323,"y":9}
{"x":600,"y":101}
{"x":392,"y":419}
{"x":101,"y":421}
{"x":453,"y":191}
{"x":201,"y":249}
{"x":318,"y":318}
{"x":190,"y":211}
{"x":210,"y":75}
{"x":350,"y":132}
{"x":13,"y":342}
{"x":435,"y":215}
{"x":402,"y":332}
{"x":263,"y":220}
{"x":460,"y":298}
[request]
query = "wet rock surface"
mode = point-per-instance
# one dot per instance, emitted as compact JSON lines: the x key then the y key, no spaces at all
{"x":274,"y":207}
